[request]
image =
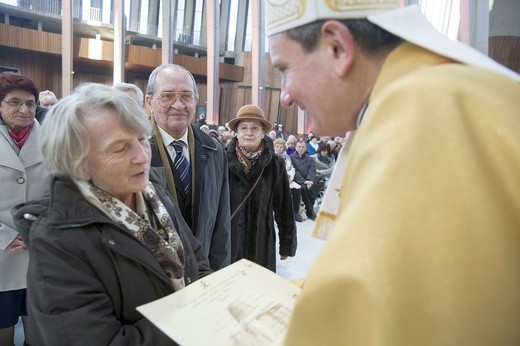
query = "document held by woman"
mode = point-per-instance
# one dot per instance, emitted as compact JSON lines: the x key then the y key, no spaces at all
{"x":242,"y":304}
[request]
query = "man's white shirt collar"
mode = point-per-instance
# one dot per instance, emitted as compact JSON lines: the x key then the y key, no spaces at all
{"x":168,"y":139}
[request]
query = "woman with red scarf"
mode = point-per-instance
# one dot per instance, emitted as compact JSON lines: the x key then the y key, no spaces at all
{"x":22,"y":177}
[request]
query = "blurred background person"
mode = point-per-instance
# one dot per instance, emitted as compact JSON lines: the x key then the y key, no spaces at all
{"x":279,"y":131}
{"x":226,"y":137}
{"x":260,"y":194}
{"x":23,"y":177}
{"x":324,"y":161}
{"x":221,"y":129}
{"x":291,"y":144}
{"x":107,"y":238}
{"x":204,"y":128}
{"x":214,"y":134}
{"x":272,"y":135}
{"x":279,"y":149}
{"x":305,"y":176}
{"x":312,"y":145}
{"x":47,"y":99}
{"x":333,"y":146}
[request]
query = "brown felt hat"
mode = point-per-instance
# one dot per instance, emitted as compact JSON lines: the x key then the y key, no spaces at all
{"x":249,"y":113}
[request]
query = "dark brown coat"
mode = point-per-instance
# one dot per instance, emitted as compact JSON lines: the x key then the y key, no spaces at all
{"x":253,"y":233}
{"x":87,"y":275}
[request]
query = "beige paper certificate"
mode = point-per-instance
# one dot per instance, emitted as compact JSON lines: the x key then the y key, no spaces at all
{"x":242,"y":304}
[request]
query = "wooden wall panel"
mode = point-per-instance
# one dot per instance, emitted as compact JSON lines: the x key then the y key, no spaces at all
{"x":38,"y":55}
{"x":272,"y":76}
{"x":506,"y":50}
{"x":13,"y":36}
{"x":228,"y":103}
{"x":92,"y":49}
{"x":100,"y":51}
{"x":142,"y":58}
{"x":247,"y":61}
{"x":44,"y":70}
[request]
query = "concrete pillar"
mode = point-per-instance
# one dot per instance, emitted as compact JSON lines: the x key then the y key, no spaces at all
{"x":302,"y":121}
{"x":258,"y":54}
{"x":213,"y":87}
{"x":241,"y":26}
{"x":153,"y":17}
{"x":189,"y":13}
{"x":474,"y":24}
{"x":133,"y":20}
{"x":505,"y":18}
{"x":168,"y":29}
{"x":119,"y":41}
{"x":66,"y":48}
{"x":224,"y":23}
{"x":203,"y":33}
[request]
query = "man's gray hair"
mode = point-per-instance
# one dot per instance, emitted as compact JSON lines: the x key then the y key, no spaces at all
{"x":65,"y":141}
{"x":150,"y":88}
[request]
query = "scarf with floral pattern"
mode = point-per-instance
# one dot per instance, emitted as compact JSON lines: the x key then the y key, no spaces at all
{"x":164,"y":243}
{"x":246,"y":158}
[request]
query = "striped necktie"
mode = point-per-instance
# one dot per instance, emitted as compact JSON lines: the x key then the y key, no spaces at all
{"x":182,"y":166}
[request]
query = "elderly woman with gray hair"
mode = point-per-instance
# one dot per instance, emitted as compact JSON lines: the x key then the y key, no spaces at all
{"x":132,"y":90}
{"x":107,"y":238}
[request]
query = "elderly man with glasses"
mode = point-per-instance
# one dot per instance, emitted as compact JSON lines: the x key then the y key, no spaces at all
{"x":195,"y":164}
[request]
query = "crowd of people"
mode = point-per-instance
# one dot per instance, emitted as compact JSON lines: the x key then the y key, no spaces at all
{"x":100,"y":194}
{"x":105,"y":207}
{"x":186,"y":196}
{"x":312,"y":168}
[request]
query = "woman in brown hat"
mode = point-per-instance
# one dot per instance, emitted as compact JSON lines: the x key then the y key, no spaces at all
{"x":260,"y":193}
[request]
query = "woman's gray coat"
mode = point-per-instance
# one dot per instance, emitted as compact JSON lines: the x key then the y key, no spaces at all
{"x":23,"y":177}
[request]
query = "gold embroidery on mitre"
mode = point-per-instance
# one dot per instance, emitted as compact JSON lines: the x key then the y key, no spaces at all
{"x":361,"y":5}
{"x":283,"y":15}
{"x":280,"y":12}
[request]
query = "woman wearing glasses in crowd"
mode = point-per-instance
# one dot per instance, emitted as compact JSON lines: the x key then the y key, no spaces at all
{"x":107,"y":238}
{"x":22,"y":177}
{"x":259,"y":186}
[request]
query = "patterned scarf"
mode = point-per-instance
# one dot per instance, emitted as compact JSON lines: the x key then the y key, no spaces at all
{"x":20,"y":137}
{"x":164,"y":243}
{"x":246,"y":158}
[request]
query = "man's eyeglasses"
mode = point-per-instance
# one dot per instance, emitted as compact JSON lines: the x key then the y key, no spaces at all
{"x":18,"y":103}
{"x":254,"y":129}
{"x":166,"y":99}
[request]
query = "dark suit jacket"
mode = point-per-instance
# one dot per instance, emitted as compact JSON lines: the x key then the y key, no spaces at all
{"x":209,"y":218}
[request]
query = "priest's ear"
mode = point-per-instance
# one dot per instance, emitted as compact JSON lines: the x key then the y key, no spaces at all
{"x":340,"y":44}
